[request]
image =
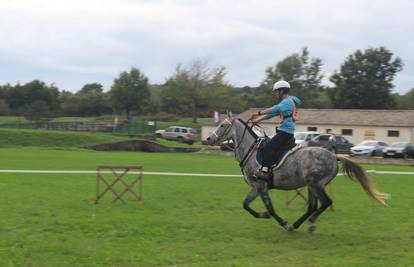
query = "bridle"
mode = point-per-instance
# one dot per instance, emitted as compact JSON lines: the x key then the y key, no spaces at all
{"x":220,"y":138}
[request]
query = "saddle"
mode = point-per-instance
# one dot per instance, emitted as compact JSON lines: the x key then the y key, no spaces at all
{"x":281,"y":154}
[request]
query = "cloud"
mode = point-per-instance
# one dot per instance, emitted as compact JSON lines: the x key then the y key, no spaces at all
{"x":99,"y":39}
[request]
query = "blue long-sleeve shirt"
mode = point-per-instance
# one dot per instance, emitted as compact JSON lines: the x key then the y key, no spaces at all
{"x":286,"y":107}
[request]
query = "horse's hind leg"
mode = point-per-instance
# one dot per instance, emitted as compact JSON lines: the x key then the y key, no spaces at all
{"x":312,"y":206}
{"x":246,"y":205}
{"x":264,"y":194}
{"x":325,"y":203}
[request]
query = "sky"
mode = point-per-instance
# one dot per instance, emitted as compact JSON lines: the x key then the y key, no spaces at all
{"x":72,"y":43}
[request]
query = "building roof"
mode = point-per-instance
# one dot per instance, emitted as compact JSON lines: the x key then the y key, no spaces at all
{"x":354,"y":117}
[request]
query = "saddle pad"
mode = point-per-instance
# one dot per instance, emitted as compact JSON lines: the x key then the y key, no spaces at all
{"x":277,"y":158}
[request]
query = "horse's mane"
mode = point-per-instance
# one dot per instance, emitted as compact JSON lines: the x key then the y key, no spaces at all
{"x":249,"y":129}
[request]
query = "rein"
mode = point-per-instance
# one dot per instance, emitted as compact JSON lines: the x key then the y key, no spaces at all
{"x":246,"y":156}
{"x":228,"y":130}
{"x":242,"y":162}
{"x":244,"y":133}
{"x":246,"y":124}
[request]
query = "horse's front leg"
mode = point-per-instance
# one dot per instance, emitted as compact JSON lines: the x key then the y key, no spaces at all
{"x":264,"y":194}
{"x":246,"y":205}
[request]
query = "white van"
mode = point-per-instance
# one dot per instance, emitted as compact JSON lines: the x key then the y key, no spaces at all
{"x":302,"y":137}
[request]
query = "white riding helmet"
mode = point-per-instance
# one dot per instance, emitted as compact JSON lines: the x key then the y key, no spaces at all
{"x":280,"y":85}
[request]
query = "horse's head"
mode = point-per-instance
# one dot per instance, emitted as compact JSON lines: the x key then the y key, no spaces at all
{"x":221,"y":133}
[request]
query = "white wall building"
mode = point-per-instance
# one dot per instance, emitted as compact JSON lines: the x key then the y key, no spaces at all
{"x":355,"y":125}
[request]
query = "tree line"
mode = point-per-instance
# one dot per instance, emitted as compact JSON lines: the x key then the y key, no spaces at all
{"x":363,"y":81}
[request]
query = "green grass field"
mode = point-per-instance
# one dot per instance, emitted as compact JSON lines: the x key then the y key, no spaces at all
{"x":12,"y":119}
{"x":50,"y":219}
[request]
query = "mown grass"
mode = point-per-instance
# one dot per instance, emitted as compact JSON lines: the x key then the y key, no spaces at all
{"x":45,"y":138}
{"x":12,"y":119}
{"x":49,"y":219}
{"x":172,"y":143}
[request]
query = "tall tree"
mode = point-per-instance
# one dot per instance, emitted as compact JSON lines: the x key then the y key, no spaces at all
{"x":155,"y":98}
{"x":195,"y":90}
{"x":304,"y":75}
{"x":3,"y":90}
{"x":130,"y":92}
{"x":4,"y":107}
{"x":22,"y":99}
{"x":91,"y":101}
{"x":91,"y":88}
{"x":69,"y":104}
{"x":365,"y":80}
{"x":84,"y":104}
{"x":38,"y":110}
{"x":405,"y":101}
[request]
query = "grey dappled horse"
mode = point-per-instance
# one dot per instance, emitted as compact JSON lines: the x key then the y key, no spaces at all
{"x":313,"y":167}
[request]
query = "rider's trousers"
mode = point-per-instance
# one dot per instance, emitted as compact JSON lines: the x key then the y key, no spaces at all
{"x":274,"y":145}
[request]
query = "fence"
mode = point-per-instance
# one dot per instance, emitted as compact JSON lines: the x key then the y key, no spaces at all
{"x":135,"y":127}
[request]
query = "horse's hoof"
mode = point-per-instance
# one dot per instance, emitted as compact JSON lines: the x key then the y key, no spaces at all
{"x":291,"y":228}
{"x":287,"y":227}
{"x":311,"y":227}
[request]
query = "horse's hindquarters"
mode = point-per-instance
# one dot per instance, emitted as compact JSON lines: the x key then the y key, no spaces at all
{"x":306,"y":166}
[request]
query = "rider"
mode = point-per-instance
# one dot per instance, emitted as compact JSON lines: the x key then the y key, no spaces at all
{"x":284,"y":131}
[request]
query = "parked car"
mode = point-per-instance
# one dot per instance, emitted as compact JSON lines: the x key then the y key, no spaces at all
{"x":178,"y":133}
{"x":302,"y":137}
{"x":332,"y":142}
{"x":409,"y":151}
{"x":369,"y":148}
{"x":396,"y":150}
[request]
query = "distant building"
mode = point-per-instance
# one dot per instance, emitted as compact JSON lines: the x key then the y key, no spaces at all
{"x":354,"y":124}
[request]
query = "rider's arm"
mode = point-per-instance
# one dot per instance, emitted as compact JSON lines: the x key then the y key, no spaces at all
{"x":262,"y":118}
{"x":272,"y":111}
{"x":268,"y":116}
{"x":266,"y":113}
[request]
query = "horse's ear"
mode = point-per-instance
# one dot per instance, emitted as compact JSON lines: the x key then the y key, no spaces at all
{"x":230,"y":114}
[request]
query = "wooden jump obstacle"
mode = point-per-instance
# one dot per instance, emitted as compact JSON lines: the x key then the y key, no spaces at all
{"x":300,"y":192}
{"x":119,"y":172}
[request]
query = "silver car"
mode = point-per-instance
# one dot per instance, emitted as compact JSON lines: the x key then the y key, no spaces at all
{"x":369,"y":148}
{"x":396,"y":150}
{"x":178,"y":133}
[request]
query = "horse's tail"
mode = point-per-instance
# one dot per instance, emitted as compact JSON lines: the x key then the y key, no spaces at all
{"x":352,"y":169}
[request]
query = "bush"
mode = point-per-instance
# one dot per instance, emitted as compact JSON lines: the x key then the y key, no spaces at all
{"x":38,"y":110}
{"x":4,"y":107}
{"x":163,"y":116}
